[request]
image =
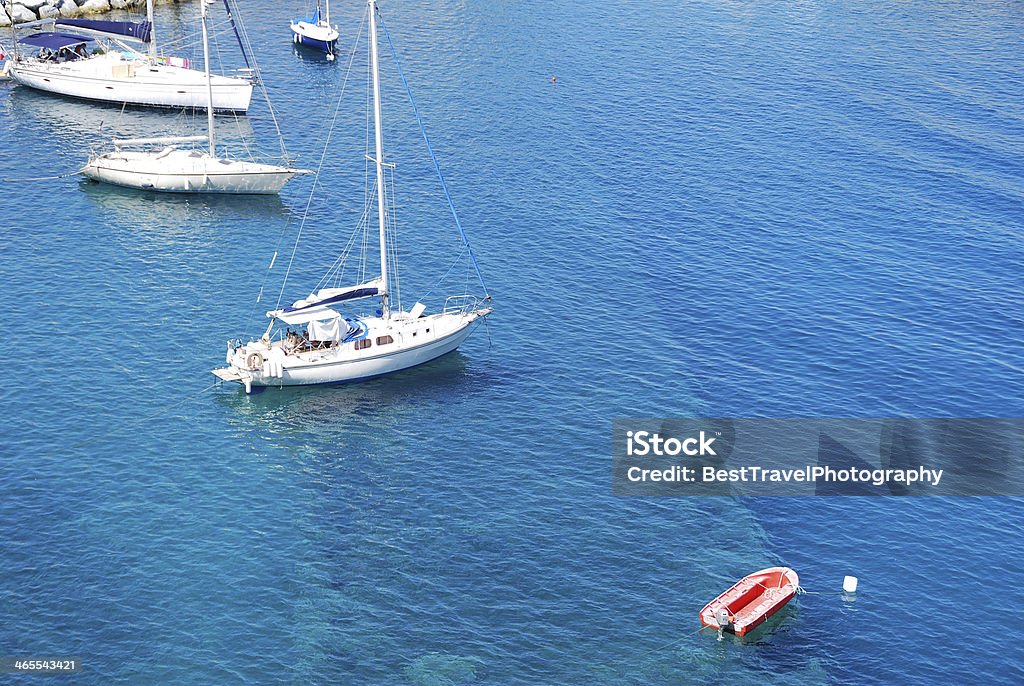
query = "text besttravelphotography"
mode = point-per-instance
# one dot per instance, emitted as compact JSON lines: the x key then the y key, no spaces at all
{"x":645,"y":443}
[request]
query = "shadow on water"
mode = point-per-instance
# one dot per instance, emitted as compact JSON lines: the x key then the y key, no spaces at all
{"x":768,"y":649}
{"x":313,"y":56}
{"x":76,"y":122}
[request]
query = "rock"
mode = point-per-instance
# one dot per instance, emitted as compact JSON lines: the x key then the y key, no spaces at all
{"x":22,"y":13}
{"x":31,"y":10}
{"x":94,"y":6}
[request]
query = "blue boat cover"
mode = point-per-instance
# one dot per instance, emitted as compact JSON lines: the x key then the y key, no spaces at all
{"x":53,"y":41}
{"x":315,"y":19}
{"x":141,"y":30}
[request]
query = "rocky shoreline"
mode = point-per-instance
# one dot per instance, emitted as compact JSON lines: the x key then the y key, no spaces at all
{"x":32,"y":10}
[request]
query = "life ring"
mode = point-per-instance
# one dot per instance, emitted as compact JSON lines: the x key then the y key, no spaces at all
{"x":255,"y":360}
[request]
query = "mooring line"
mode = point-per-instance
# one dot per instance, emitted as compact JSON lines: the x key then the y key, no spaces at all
{"x":800,"y":590}
{"x":42,"y":178}
{"x":156,"y":414}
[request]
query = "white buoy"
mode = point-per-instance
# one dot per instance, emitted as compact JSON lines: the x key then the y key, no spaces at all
{"x":850,"y":584}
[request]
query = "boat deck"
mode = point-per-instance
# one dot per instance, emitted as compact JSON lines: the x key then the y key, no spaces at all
{"x":229,"y":374}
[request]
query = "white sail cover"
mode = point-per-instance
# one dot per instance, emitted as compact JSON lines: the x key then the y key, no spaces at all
{"x":314,"y":307}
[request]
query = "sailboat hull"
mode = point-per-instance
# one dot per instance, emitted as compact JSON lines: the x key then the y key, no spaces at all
{"x":360,"y":370}
{"x":317,"y":37}
{"x":182,"y":171}
{"x":108,"y":78}
{"x":343,"y":364}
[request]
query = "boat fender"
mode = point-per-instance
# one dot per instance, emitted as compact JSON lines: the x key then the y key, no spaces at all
{"x":255,"y":360}
{"x":275,"y":360}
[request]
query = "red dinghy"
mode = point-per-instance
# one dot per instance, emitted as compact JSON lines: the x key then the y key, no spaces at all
{"x":751,"y":600}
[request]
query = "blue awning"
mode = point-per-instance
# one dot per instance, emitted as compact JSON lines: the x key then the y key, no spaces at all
{"x":140,"y":30}
{"x":53,"y":41}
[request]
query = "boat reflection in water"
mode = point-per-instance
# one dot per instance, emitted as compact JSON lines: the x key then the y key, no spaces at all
{"x":70,"y":122}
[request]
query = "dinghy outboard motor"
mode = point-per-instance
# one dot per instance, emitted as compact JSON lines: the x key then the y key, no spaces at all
{"x":723,"y":619}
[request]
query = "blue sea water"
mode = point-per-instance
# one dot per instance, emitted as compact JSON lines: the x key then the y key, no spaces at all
{"x":718,"y":209}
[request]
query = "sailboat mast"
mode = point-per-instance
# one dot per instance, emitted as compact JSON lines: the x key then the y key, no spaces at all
{"x":209,"y":80}
{"x":152,"y":30}
{"x":327,"y":12}
{"x":14,"y":31}
{"x":379,"y":139}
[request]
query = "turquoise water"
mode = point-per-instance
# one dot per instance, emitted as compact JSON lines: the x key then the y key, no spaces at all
{"x":740,"y":209}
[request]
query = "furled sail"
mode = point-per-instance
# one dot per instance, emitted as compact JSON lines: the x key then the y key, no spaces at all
{"x":139,"y":30}
{"x":314,"y":307}
{"x":162,"y":140}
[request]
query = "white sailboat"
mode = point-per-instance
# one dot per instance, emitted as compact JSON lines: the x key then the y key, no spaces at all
{"x":175,"y":170}
{"x":317,"y":32}
{"x":332,"y":348}
{"x":101,"y":60}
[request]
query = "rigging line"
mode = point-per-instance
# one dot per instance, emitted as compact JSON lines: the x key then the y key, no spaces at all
{"x":266,"y":276}
{"x":319,"y":167}
{"x":362,"y":231}
{"x":231,"y":18}
{"x":242,"y":33}
{"x":337,"y":269}
{"x":433,"y":157}
{"x":438,"y":282}
{"x":393,"y":222}
{"x":342,"y":259}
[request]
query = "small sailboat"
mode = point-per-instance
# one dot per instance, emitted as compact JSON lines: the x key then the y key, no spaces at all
{"x":751,"y":600}
{"x":316,"y":32}
{"x":327,"y":346}
{"x":172,"y":169}
{"x":101,"y":60}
